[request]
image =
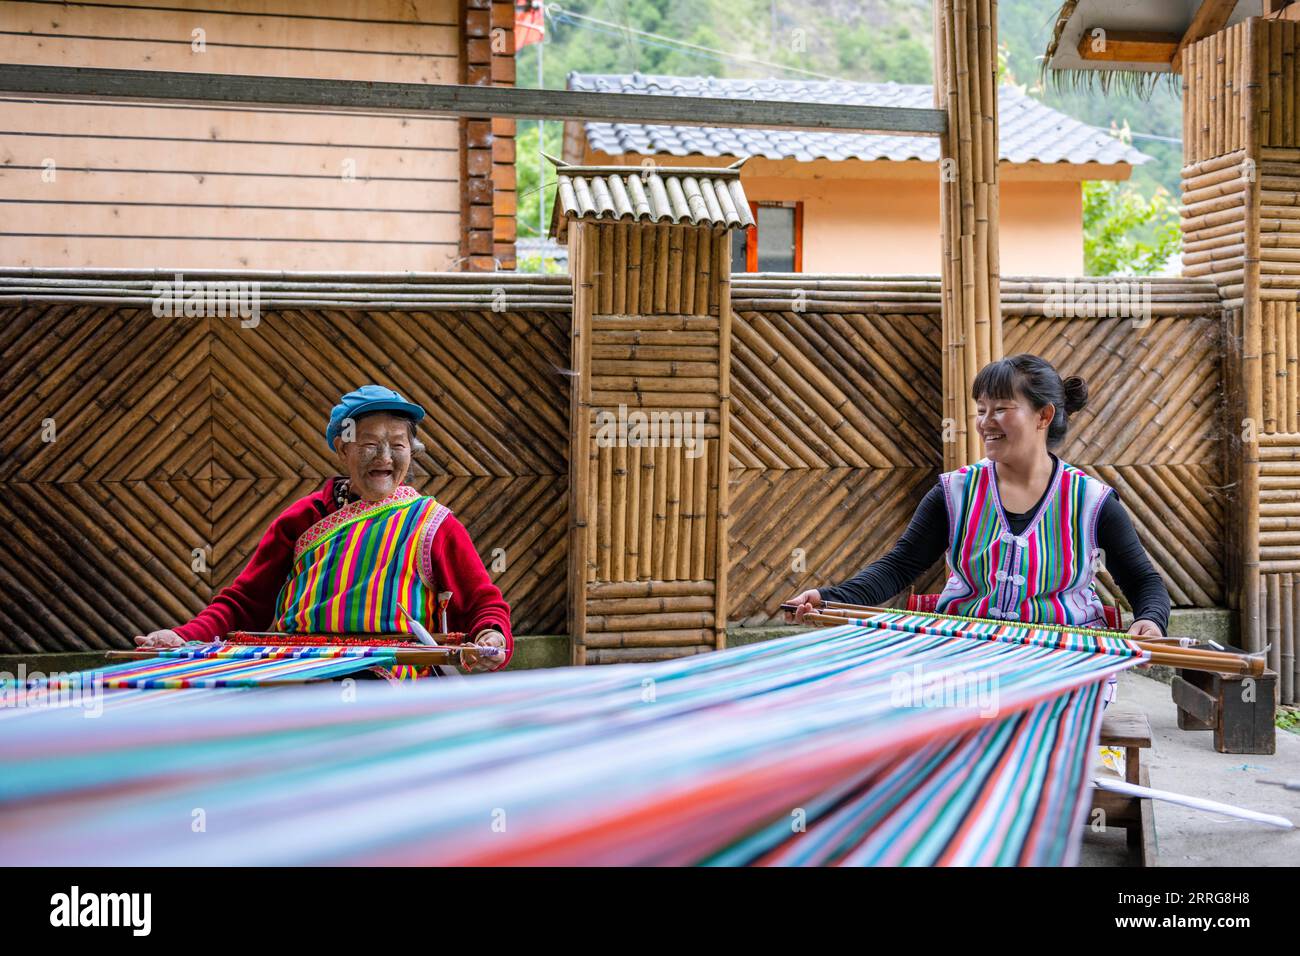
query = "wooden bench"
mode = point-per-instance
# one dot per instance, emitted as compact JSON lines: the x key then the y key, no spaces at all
{"x":1237,"y":708}
{"x":1132,"y":733}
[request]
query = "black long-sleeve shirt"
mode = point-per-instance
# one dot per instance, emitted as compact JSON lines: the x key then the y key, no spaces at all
{"x":927,"y":539}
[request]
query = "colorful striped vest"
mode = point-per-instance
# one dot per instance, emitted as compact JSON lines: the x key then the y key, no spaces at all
{"x":1044,"y":574}
{"x":353,"y":567}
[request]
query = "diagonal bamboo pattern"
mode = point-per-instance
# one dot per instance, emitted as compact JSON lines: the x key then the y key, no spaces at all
{"x":177,"y":436}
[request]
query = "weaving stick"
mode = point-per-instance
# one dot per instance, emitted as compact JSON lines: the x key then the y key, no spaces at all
{"x":1196,"y":803}
{"x":418,"y":655}
{"x":1219,"y":662}
{"x":1190,"y":658}
{"x":276,"y":638}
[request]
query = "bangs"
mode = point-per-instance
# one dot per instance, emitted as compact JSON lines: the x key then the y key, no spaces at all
{"x":996,"y":380}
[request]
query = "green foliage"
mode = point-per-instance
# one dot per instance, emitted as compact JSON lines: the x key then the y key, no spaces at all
{"x":1288,"y":718}
{"x":1126,"y":233}
{"x":527,"y":166}
{"x":868,"y":53}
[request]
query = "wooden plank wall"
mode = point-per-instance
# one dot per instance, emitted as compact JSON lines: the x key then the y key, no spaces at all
{"x":181,"y":434}
{"x":210,"y":187}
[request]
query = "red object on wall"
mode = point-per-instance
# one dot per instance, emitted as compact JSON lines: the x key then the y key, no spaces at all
{"x":530,"y":23}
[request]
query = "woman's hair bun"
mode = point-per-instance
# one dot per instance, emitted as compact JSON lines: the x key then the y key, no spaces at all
{"x":1076,"y":394}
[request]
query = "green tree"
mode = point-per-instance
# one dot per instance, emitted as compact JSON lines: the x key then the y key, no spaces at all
{"x":530,"y":175}
{"x":1126,"y":233}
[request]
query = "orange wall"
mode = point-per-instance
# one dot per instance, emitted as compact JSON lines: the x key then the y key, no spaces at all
{"x":232,"y":187}
{"x":879,"y":226}
{"x":883,"y":217}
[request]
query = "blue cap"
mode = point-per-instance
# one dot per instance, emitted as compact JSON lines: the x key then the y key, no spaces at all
{"x":363,"y":401}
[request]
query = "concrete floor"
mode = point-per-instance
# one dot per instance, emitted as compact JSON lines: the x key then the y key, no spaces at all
{"x":1186,"y":762}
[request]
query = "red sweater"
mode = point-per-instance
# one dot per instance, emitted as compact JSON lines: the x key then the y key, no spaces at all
{"x":248,"y":602}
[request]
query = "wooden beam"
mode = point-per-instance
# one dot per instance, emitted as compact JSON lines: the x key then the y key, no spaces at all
{"x":1128,"y":46}
{"x":453,"y":100}
{"x":1211,"y":17}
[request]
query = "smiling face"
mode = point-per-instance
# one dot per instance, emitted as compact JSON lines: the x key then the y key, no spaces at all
{"x":1010,"y":427}
{"x":379,"y":457}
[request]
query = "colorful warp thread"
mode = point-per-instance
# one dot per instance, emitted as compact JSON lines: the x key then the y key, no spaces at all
{"x":332,"y":640}
{"x":850,"y":745}
{"x":220,"y":665}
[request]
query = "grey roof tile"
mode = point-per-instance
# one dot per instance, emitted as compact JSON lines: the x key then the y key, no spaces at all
{"x":1030,"y":131}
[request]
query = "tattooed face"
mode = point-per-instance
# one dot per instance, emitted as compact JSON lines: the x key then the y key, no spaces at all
{"x":379,"y":457}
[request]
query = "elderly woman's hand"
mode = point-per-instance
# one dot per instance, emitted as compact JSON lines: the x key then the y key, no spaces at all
{"x":494,"y":652}
{"x":159,"y":639}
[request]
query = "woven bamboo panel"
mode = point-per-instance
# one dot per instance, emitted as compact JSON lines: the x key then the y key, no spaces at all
{"x":175,"y":436}
{"x":656,"y":269}
{"x":1279,"y":229}
{"x":1153,"y":430}
{"x":652,"y":506}
{"x":1214,"y":79}
{"x":1279,"y":82}
{"x":1214,"y":220}
{"x":794,"y":529}
{"x":834,"y":441}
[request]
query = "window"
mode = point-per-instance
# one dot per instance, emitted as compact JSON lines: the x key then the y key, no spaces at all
{"x":775,"y":244}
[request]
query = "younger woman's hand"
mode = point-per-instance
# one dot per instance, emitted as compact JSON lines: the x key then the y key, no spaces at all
{"x":806,"y":603}
{"x":1145,"y":628}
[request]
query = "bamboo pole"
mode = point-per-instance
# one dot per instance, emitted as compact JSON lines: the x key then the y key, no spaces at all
{"x":618,"y":517}
{"x":651,"y":589}
{"x":649,"y":465}
{"x":702,"y":513}
{"x":1252,"y":347}
{"x":619,"y":279}
{"x":719,"y":519}
{"x":580,"y":443}
{"x":1287,"y":639}
{"x":632,"y":516}
{"x":687,"y":533}
{"x":660,"y":531}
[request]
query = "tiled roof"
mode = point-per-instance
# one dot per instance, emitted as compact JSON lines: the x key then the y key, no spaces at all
{"x":709,"y":196}
{"x":1030,"y":131}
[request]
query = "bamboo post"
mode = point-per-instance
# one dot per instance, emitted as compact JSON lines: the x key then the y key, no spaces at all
{"x":1251,"y":360}
{"x":722,"y":448}
{"x":966,"y":87}
{"x":582,"y":267}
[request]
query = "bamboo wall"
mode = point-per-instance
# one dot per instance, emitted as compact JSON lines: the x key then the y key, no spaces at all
{"x":180,"y":434}
{"x":834,"y":436}
{"x":649,"y":518}
{"x":1242,"y":230}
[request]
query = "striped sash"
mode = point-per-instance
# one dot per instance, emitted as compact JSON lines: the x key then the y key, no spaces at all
{"x":355,"y":566}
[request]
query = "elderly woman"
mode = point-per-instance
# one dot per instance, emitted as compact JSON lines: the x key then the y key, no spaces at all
{"x":343,"y":559}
